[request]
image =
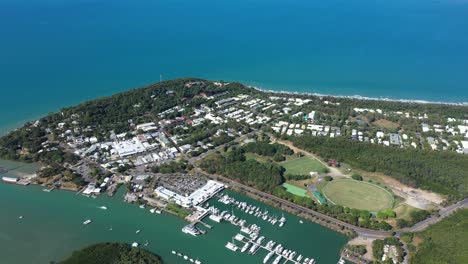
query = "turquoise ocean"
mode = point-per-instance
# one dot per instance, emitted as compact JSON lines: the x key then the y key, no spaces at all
{"x":55,"y":53}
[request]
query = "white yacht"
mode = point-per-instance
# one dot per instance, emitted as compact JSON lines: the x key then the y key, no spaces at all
{"x":231,"y":246}
{"x":245,"y":247}
{"x":268,"y":256}
{"x":191,"y":230}
{"x":277,"y":259}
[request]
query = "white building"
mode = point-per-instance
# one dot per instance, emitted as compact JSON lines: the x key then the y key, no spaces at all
{"x":129,"y":147}
{"x":199,"y":196}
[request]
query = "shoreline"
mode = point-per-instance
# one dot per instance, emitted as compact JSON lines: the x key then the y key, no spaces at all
{"x":7,"y":128}
{"x":358,"y":97}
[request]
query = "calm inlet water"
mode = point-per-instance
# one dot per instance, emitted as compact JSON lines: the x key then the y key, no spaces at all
{"x":55,"y":53}
{"x":52,"y":227}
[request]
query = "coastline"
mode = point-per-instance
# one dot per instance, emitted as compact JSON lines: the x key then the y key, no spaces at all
{"x":7,"y":128}
{"x":358,"y":97}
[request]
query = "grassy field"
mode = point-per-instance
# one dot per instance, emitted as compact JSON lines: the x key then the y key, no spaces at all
{"x":358,"y":195}
{"x":403,"y":211}
{"x":444,"y":242}
{"x":254,"y":156}
{"x":178,"y":210}
{"x":295,"y":190}
{"x":384,"y":123}
{"x":301,"y":166}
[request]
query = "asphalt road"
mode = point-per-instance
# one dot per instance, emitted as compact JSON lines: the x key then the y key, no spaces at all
{"x":369,"y":233}
{"x":443,"y":213}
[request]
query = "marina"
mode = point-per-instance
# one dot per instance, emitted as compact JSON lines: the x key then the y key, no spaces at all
{"x":273,"y":248}
{"x":262,"y":214}
{"x":287,"y":254}
{"x":58,"y":212}
{"x":249,"y":239}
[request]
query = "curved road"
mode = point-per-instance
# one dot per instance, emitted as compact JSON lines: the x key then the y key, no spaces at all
{"x":443,"y":213}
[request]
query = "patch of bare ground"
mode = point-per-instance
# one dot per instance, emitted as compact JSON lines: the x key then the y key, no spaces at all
{"x":367,"y":242}
{"x":69,"y":186}
{"x":301,"y":183}
{"x":414,"y":197}
{"x":48,"y":180}
{"x":384,"y":123}
{"x":417,"y":240}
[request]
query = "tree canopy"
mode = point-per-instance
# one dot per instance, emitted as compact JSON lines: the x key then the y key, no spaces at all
{"x":112,"y":253}
{"x":439,"y":171}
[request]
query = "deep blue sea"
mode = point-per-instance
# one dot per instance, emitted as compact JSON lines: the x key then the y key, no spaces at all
{"x":55,"y":53}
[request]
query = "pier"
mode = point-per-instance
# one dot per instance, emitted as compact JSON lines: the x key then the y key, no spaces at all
{"x":23,"y":182}
{"x":198,"y":215}
{"x":205,"y":224}
{"x":250,"y":237}
{"x":49,"y":189}
{"x":287,"y":259}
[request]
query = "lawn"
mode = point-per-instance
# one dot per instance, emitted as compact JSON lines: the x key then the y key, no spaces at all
{"x":444,"y":242}
{"x":358,"y":195}
{"x":384,"y":123}
{"x":178,"y":210}
{"x":254,"y":156}
{"x":403,"y":211}
{"x":302,"y":166}
{"x":295,"y":190}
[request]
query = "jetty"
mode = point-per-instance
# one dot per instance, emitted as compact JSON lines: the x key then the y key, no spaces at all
{"x":288,"y":255}
{"x":49,"y":189}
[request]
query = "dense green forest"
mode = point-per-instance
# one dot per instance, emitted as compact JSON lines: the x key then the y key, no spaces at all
{"x":264,"y":148}
{"x":443,"y":243}
{"x":263,"y":176}
{"x":440,"y":171}
{"x":250,"y":172}
{"x":112,"y":253}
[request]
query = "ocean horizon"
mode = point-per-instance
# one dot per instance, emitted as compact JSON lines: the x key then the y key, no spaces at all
{"x":55,"y":54}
